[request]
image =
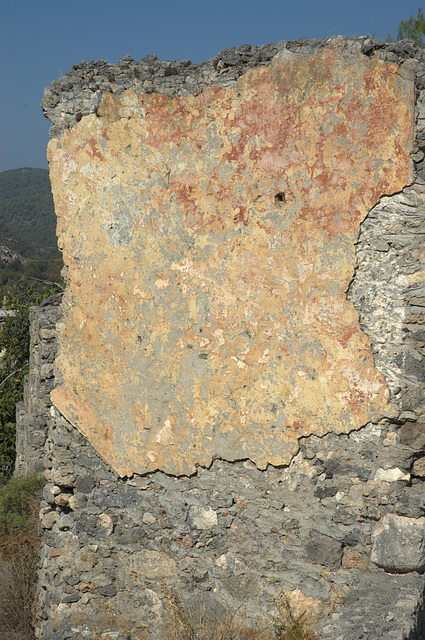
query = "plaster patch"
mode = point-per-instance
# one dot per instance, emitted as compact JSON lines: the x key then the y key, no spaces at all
{"x":210,"y":241}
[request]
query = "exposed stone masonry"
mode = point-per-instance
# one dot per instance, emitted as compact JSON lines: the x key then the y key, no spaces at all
{"x":33,"y":414}
{"x":341,"y":529}
{"x":79,"y":92}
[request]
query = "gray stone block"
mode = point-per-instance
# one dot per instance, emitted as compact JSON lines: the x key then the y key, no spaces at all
{"x":379,"y":607}
{"x":399,"y":543}
{"x":324,"y":550}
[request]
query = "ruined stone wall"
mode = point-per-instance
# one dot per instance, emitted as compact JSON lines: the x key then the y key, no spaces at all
{"x":33,"y":414}
{"x":239,"y":405}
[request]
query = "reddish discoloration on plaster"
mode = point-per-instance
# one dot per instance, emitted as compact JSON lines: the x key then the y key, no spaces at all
{"x":205,"y":317}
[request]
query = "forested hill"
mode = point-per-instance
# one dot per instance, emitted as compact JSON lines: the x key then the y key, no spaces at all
{"x":26,"y":208}
{"x":28,"y":245}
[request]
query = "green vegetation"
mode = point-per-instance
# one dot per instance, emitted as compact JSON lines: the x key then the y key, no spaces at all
{"x":41,"y":273}
{"x":30,"y":266}
{"x":14,"y":347}
{"x":26,"y":208}
{"x":17,"y":498}
{"x":411,"y":29}
{"x":28,"y":244}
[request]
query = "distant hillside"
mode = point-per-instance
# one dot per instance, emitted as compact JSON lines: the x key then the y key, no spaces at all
{"x":26,"y":208}
{"x":11,"y":248}
{"x":28,"y":246}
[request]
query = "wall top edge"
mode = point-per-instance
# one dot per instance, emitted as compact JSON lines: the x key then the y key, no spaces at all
{"x":79,"y":92}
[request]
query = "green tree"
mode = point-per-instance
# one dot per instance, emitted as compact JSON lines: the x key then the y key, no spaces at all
{"x":412,"y":29}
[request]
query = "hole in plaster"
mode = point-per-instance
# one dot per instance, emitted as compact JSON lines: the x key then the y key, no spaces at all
{"x":279,"y":197}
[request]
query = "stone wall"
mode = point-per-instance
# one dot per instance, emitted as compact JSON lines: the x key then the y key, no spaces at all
{"x":33,"y":414}
{"x":339,"y":525}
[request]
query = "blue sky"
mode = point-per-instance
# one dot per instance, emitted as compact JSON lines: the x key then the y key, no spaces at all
{"x":40,"y":40}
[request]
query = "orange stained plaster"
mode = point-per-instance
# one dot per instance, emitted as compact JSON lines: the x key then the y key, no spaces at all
{"x":210,"y":242}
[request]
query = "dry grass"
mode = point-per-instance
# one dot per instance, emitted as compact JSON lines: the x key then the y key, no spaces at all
{"x":16,"y":598}
{"x":287,"y":624}
{"x":190,"y":623}
{"x":19,"y":544}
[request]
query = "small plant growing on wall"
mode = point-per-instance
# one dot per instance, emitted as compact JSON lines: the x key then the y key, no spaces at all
{"x":199,"y":623}
{"x":288,"y":625}
{"x":187,"y":623}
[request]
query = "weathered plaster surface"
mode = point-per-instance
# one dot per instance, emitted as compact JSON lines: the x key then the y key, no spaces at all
{"x":210,"y":242}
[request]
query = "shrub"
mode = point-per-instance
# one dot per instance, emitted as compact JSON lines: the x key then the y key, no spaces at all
{"x":17,"y":498}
